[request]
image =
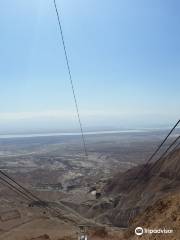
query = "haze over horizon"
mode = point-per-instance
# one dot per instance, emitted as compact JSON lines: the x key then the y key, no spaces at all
{"x":124,"y":57}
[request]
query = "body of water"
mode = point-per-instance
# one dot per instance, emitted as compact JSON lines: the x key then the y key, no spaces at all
{"x":72,"y":133}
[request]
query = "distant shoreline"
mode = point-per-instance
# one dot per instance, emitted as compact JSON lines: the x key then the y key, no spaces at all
{"x":6,"y":136}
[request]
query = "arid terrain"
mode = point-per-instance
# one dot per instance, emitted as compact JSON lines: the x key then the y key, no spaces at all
{"x":101,"y":191}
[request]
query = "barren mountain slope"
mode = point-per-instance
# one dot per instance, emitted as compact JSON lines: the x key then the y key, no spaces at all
{"x":126,"y":195}
{"x":165,"y":213}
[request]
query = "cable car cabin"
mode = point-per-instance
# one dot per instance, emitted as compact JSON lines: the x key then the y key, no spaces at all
{"x":83,"y":232}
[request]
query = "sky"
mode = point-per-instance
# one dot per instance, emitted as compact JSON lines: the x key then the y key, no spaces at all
{"x":124,"y":57}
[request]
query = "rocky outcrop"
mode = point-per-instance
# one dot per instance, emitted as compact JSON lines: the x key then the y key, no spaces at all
{"x":130,"y":193}
{"x":164,"y":213}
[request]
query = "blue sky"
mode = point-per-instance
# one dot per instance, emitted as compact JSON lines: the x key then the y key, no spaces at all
{"x":124,"y":56}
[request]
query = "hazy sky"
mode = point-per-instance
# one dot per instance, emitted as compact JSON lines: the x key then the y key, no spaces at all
{"x":124,"y":56}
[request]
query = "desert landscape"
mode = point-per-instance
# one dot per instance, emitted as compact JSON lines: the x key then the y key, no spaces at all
{"x":89,"y":120}
{"x":100,"y":191}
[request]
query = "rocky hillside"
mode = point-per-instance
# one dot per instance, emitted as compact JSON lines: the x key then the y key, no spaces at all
{"x":165,"y":213}
{"x":127,"y":195}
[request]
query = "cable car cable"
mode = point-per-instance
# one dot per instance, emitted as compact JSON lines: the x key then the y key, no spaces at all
{"x":70,"y":77}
